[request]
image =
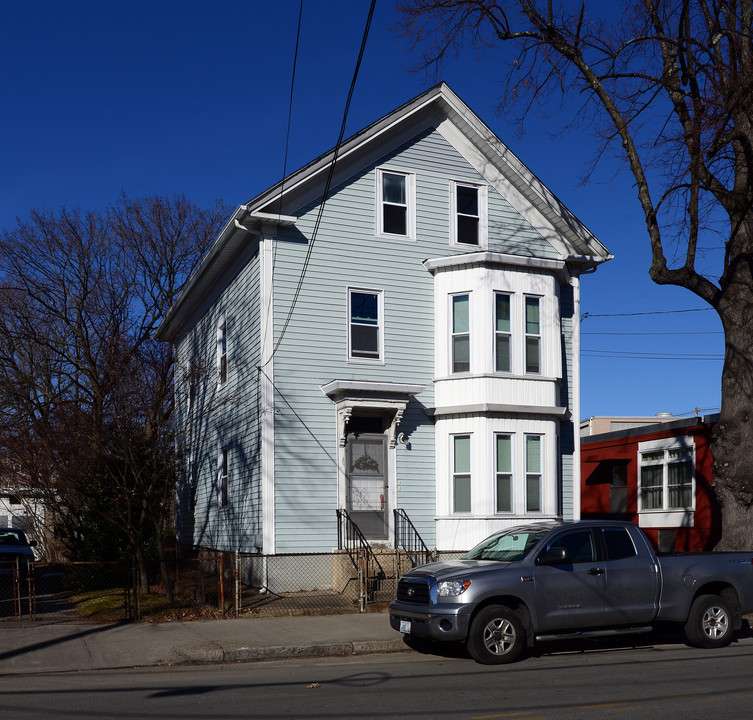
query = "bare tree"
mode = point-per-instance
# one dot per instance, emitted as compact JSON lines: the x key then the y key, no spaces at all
{"x":669,"y":86}
{"x":85,"y":390}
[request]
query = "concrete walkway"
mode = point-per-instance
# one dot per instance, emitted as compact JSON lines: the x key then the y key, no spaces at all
{"x":72,"y":646}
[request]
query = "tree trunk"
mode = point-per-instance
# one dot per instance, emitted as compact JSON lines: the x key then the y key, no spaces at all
{"x":732,"y":439}
{"x":167,"y":583}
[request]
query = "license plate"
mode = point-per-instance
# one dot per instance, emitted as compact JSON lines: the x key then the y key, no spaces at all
{"x":405,"y":626}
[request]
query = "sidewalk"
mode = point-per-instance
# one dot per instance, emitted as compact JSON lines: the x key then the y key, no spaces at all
{"x":66,"y":646}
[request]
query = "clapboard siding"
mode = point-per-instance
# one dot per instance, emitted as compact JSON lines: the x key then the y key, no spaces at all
{"x":346,"y":253}
{"x":225,"y":414}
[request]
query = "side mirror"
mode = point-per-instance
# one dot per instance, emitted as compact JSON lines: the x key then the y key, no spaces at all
{"x":555,"y":556}
{"x":32,"y":543}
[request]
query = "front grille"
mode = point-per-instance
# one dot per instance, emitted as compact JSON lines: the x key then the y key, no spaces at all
{"x":413,"y":591}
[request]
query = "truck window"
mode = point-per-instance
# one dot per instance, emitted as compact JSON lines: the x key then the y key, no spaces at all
{"x":579,"y":545}
{"x":619,"y":543}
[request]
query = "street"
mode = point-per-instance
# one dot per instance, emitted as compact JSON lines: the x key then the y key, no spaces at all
{"x":592,"y":682}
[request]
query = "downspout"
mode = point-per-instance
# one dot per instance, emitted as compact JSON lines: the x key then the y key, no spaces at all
{"x":265,"y":221}
{"x":575,"y":280}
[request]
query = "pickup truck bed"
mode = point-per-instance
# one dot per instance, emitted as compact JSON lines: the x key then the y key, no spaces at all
{"x":550,"y":580}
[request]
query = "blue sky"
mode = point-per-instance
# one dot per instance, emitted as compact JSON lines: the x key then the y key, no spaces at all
{"x":189,"y":97}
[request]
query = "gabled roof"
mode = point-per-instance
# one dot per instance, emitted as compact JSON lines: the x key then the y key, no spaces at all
{"x":440,"y":108}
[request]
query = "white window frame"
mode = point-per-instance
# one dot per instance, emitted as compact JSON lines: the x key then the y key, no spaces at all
{"x":528,"y":473}
{"x":483,"y":222}
{"x":510,"y":333}
{"x":223,"y":475}
{"x":666,"y":516}
{"x":410,"y":204}
{"x":454,"y":476}
{"x":535,"y":336}
{"x":222,"y":354}
{"x":511,"y":473}
{"x":453,"y":334}
{"x":379,"y":360}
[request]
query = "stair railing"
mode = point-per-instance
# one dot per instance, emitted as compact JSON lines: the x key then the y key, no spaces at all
{"x":370,"y":572}
{"x":409,"y":542}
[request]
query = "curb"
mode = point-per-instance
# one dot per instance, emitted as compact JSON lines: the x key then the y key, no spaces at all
{"x":204,"y":655}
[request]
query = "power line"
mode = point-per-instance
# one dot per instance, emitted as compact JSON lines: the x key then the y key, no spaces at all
{"x":636,"y":314}
{"x":287,"y":142}
{"x":632,"y":355}
{"x":700,"y":332}
{"x":328,"y":183}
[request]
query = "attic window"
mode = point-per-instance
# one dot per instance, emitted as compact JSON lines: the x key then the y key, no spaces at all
{"x":468,"y":214}
{"x":395,"y":204}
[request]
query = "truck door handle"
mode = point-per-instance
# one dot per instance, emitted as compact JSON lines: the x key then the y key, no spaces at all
{"x":595,"y":571}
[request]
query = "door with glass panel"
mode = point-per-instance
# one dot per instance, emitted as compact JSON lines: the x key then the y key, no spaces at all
{"x":367,"y":484}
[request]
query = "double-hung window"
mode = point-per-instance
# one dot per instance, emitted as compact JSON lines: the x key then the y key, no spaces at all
{"x":502,"y":333}
{"x":461,"y":473}
{"x":395,"y":203}
{"x":666,"y":477}
{"x":533,"y":335}
{"x":461,"y":333}
{"x":533,"y":473}
{"x":468,"y":214}
{"x":504,"y":473}
{"x":222,"y":351}
{"x":365,"y":311}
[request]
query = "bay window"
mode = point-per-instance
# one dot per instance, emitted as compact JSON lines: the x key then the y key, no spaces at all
{"x":533,"y":335}
{"x":502,"y":333}
{"x":461,"y":473}
{"x":461,"y":333}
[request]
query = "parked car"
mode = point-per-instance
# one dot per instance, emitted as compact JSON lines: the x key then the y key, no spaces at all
{"x":15,"y":550}
{"x":548,"y":581}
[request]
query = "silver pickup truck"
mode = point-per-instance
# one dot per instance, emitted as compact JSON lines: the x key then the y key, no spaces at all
{"x":548,"y":581}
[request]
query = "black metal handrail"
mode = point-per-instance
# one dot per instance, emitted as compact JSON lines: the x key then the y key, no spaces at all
{"x":352,"y":540}
{"x":408,"y":539}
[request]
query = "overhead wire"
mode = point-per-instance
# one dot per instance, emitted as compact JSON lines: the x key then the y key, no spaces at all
{"x":287,"y":143}
{"x":328,"y":183}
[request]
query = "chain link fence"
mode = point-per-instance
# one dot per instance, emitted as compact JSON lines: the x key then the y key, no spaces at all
{"x":206,"y":583}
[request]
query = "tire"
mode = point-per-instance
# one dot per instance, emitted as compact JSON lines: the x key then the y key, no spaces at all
{"x":709,"y":623}
{"x":496,"y":636}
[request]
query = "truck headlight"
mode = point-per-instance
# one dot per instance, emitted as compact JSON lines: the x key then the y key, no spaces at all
{"x":452,"y":588}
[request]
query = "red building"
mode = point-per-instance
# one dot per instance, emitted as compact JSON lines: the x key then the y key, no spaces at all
{"x":657,"y":476}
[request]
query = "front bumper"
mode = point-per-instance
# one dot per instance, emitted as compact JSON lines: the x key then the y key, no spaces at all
{"x":435,"y":622}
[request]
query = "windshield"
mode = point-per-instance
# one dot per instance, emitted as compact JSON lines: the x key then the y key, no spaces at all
{"x":508,"y":546}
{"x":12,"y":537}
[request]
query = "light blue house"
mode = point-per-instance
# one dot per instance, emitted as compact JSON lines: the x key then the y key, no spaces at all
{"x":408,"y":342}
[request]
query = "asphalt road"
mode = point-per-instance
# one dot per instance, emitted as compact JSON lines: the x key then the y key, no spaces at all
{"x":597,"y":681}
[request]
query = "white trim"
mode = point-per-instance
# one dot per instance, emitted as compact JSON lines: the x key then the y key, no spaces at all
{"x":666,"y":516}
{"x":513,"y":341}
{"x":266,"y":378}
{"x":483,"y":215}
{"x":575,"y":399}
{"x":506,"y":174}
{"x":222,"y":336}
{"x":410,"y":204}
{"x":471,"y":494}
{"x":486,"y":257}
{"x":539,"y":336}
{"x":451,"y":333}
{"x":513,"y":495}
{"x":351,"y":359}
{"x":223,"y":463}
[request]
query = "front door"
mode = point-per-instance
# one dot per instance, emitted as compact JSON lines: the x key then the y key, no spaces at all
{"x":367,"y":484}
